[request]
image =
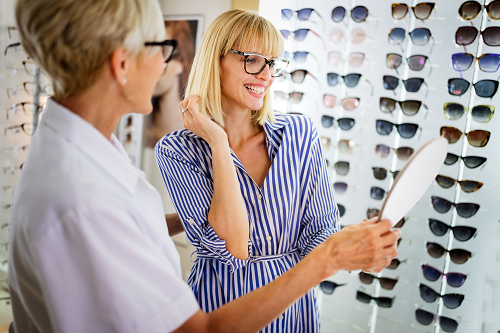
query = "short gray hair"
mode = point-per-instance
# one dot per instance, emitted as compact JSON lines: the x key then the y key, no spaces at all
{"x":72,"y":39}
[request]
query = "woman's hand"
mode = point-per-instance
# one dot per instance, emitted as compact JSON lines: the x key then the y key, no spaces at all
{"x":200,"y":124}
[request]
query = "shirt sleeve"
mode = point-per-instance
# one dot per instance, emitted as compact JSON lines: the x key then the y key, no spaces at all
{"x":191,"y":192}
{"x":101,"y":273}
{"x":321,"y":215}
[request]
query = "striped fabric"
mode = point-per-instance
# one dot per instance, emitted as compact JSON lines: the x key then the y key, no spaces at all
{"x":293,"y":212}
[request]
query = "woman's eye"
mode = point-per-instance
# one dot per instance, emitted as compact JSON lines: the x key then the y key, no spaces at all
{"x":250,"y":61}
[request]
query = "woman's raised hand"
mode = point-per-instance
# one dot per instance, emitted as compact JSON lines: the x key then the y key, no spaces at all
{"x":199,"y":124}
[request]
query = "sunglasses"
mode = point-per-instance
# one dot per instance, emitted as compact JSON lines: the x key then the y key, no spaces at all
{"x":411,"y":84}
{"x":453,"y":279}
{"x":340,"y":187}
{"x":299,"y":56}
{"x":403,"y":153}
{"x":384,"y":302}
{"x":422,"y":10}
{"x":329,"y":287}
{"x":409,"y":107}
{"x":467,"y":35}
{"x":476,"y":138}
{"x":395,"y":263}
{"x":470,"y":9}
{"x":488,"y":62}
{"x":295,"y":96}
{"x":350,"y":80}
{"x":302,"y":14}
{"x":471,"y":162}
{"x":298,"y":35}
{"x":385,"y":283}
{"x":426,"y":318}
{"x":451,"y":301}
{"x":381,"y":173}
{"x":484,"y":88}
{"x":372,"y":212}
{"x":346,"y":146}
{"x":461,"y":233}
{"x":27,"y":128}
{"x":419,"y":36}
{"x":344,"y":123}
{"x":298,"y":76}
{"x":458,"y":256}
{"x":358,"y":14}
{"x":355,"y":59}
{"x":349,"y":103}
{"x":377,"y":193}
{"x":415,"y":62}
{"x":480,"y":113}
{"x":341,"y":209}
{"x":341,"y":167}
{"x":464,"y":209}
{"x":405,"y":130}
{"x":468,"y":186}
{"x":357,"y":36}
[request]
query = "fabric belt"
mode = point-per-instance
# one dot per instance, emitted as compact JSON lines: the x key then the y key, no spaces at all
{"x":254,"y":259}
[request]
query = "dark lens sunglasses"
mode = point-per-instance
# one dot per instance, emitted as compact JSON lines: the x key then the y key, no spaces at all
{"x":386,"y":283}
{"x":329,"y":287}
{"x":384,"y":302}
{"x":411,"y":85}
{"x":467,"y":35}
{"x":476,"y":138}
{"x":395,"y":263}
{"x":341,"y":167}
{"x":453,"y":279}
{"x":340,"y":187}
{"x":167,"y":48}
{"x":451,"y":301}
{"x":483,"y":88}
{"x":426,"y":318}
{"x":488,"y":62}
{"x":344,"y":123}
{"x":408,"y":107}
{"x":350,"y":80}
{"x":381,"y":173}
{"x":301,"y":56}
{"x":302,"y":14}
{"x":372,"y":212}
{"x":405,"y":130}
{"x":458,"y":256}
{"x":464,"y":209}
{"x":480,"y":113}
{"x":377,"y":193}
{"x":422,"y":10}
{"x":461,"y":233}
{"x":470,"y":9}
{"x":419,"y":36}
{"x":358,"y":14}
{"x":471,"y":162}
{"x":341,"y":209}
{"x":468,"y":186}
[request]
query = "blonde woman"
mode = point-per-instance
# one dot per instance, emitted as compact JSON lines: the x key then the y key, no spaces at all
{"x":251,"y":187}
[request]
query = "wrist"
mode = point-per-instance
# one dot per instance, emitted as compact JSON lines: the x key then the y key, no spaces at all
{"x":219,"y":141}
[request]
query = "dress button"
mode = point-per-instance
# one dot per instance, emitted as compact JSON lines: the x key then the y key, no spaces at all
{"x":259,"y":196}
{"x":268,"y":238}
{"x":281,"y":317}
{"x":191,"y":221}
{"x":276,"y":276}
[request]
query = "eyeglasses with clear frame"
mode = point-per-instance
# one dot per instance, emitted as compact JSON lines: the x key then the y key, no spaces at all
{"x":167,"y":48}
{"x":27,"y":107}
{"x":255,"y":63}
{"x":27,"y":128}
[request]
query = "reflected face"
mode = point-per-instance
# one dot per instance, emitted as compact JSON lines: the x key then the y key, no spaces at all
{"x":241,"y":90}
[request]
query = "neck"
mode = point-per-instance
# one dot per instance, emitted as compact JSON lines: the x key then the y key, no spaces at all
{"x":99,"y":106}
{"x":238,"y":126}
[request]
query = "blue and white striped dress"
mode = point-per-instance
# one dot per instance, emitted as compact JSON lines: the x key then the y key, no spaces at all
{"x":293,"y":212}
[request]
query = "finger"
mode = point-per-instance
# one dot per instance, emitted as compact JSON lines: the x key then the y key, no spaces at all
{"x":390,"y":238}
{"x":185,"y":101}
{"x":373,"y":220}
{"x":383,"y":226}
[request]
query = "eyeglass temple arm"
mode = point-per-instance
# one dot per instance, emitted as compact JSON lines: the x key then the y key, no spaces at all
{"x":324,"y":44}
{"x":314,"y":10}
{"x":427,"y":93}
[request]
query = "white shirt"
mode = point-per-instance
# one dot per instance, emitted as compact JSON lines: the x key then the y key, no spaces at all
{"x":89,"y":249}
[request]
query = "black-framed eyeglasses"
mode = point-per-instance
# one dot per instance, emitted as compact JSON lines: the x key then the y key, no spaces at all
{"x":451,"y":301}
{"x":255,"y":63}
{"x":16,"y":47}
{"x":167,"y":48}
{"x":471,"y":162}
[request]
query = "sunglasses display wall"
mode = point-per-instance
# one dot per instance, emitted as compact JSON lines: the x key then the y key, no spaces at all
{"x":389,"y":78}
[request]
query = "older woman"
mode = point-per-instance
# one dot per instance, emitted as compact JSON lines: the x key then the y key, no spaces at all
{"x":89,"y":250}
{"x":253,"y":193}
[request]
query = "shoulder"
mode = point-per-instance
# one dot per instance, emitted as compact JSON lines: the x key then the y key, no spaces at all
{"x":300,"y":127}
{"x":183,"y":143}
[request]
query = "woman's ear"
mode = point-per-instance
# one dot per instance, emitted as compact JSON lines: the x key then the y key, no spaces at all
{"x":119,"y":63}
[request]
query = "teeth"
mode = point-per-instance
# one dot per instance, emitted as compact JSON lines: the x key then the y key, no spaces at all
{"x":254,"y":89}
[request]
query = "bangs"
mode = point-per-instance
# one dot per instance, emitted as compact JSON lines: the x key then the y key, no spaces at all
{"x":257,"y":32}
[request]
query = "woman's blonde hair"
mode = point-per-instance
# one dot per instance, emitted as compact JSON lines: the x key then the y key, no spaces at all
{"x":231,"y":29}
{"x":72,"y":39}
